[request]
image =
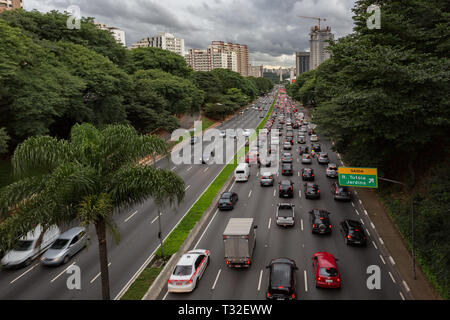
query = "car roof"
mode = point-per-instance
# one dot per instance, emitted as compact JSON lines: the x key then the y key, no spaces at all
{"x":326,"y":259}
{"x":188,"y":258}
{"x":69,"y":234}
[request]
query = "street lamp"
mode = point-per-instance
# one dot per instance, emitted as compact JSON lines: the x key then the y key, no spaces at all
{"x":412,"y":220}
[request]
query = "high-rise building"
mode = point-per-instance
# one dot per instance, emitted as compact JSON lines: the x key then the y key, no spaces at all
{"x":301,"y":62}
{"x":241,"y":51}
{"x":10,"y":4}
{"x":318,"y":43}
{"x":255,"y":71}
{"x":209,"y":59}
{"x":118,"y":34}
{"x":166,"y":41}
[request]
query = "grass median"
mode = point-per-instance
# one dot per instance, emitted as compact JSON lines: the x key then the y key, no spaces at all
{"x":174,"y":241}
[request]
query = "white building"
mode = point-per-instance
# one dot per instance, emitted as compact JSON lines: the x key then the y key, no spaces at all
{"x":118,"y":34}
{"x":166,"y":41}
{"x":317,"y":46}
{"x":211,"y":58}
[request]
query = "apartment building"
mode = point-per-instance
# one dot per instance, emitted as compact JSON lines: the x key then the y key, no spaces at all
{"x":209,"y":59}
{"x":255,"y":71}
{"x":10,"y":4}
{"x":241,"y":51}
{"x":302,"y":62}
{"x":166,"y":41}
{"x":118,"y":34}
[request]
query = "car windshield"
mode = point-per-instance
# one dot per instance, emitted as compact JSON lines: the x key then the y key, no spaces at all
{"x":285,"y":211}
{"x":182,"y":271}
{"x":59,"y":244}
{"x":328,"y":272}
{"x":23,"y":245}
{"x":286,"y":183}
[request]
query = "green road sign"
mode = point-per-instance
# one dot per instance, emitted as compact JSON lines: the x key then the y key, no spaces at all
{"x":358,"y":177}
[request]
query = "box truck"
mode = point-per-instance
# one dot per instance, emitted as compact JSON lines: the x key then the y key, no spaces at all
{"x":239,"y":240}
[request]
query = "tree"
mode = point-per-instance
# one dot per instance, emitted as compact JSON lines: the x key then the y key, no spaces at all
{"x":209,"y":83}
{"x":83,"y":179}
{"x":4,"y":138}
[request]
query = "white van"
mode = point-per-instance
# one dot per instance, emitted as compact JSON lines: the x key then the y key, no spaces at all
{"x":28,"y":249}
{"x":242,"y":172}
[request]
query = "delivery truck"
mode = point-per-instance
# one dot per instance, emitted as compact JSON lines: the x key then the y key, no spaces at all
{"x":239,"y":240}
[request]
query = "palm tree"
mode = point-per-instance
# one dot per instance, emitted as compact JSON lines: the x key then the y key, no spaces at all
{"x":83,"y":179}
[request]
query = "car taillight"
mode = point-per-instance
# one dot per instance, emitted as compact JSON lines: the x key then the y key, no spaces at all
{"x":248,"y":261}
{"x":314,"y":225}
{"x":292,"y":188}
{"x":190,"y":281}
{"x":231,"y":203}
{"x":227,"y":262}
{"x":319,"y":278}
{"x":330,"y":226}
{"x":349,"y":237}
{"x":268,"y":295}
{"x":293,"y":296}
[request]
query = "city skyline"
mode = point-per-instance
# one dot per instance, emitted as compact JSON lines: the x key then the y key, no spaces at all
{"x":270,"y":29}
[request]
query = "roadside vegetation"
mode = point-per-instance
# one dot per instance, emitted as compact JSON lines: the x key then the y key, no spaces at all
{"x":384,"y":98}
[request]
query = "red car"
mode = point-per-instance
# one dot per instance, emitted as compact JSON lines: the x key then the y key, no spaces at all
{"x":326,"y":271}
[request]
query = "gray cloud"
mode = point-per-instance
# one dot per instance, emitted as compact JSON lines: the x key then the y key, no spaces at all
{"x":269,"y":28}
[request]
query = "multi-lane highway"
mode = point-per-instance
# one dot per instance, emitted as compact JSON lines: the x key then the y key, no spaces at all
{"x":298,"y":243}
{"x":138,"y":227}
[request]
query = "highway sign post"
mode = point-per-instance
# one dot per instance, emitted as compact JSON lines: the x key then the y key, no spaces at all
{"x":358,"y":177}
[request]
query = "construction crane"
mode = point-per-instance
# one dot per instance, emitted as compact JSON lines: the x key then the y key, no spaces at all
{"x":313,"y":18}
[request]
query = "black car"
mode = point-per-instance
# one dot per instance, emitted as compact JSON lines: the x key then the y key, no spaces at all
{"x":281,"y":279}
{"x":320,"y":222}
{"x":286,"y":189}
{"x":353,"y":232}
{"x":312,"y":191}
{"x":286,"y":157}
{"x":316,"y":147}
{"x":307,"y":174}
{"x":286,"y":169}
{"x":302,"y":150}
{"x":340,"y":192}
{"x":227,"y":200}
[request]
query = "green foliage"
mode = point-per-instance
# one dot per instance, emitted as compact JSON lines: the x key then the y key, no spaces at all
{"x":263,"y":85}
{"x":4,"y":138}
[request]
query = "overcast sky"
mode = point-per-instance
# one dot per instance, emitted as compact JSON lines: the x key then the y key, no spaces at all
{"x":269,"y":28}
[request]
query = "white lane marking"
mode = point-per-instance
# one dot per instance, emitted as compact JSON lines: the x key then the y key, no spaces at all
{"x":156,"y":218}
{"x":401,"y":295}
{"x":217,"y":278}
{"x":362,"y":221}
{"x":24,"y":273}
{"x":357,"y":212}
{"x":392,"y":278}
{"x":368,"y":232}
{"x":232,"y":185}
{"x":188,"y":169}
{"x":381,"y":241}
{"x":374,"y":245}
{"x":206,"y":229}
{"x":381,"y":257}
{"x":353,"y":204}
{"x":187,"y":187}
{"x":270,"y":221}
{"x":301,"y":223}
{"x":391,"y":260}
{"x":98,"y":275}
{"x":306,"y":281}
{"x":51,"y":281}
{"x":360,"y":202}
{"x":372,"y":225}
{"x":365,"y":211}
{"x":260,"y":278}
{"x":299,"y":193}
{"x":405,"y":285}
{"x":250,"y":193}
{"x":206,"y":169}
{"x":131,"y":216}
{"x":274,"y":191}
{"x":299,"y":173}
{"x":165,"y":296}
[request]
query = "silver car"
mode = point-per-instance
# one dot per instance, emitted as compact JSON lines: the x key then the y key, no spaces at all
{"x":266,"y":179}
{"x":285,"y":214}
{"x":66,"y":246}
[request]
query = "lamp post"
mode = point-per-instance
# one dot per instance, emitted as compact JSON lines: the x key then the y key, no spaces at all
{"x":412,"y":221}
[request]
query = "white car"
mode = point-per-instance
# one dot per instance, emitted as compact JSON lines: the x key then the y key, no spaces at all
{"x":28,"y":249}
{"x":314,"y":138}
{"x":189,"y":270}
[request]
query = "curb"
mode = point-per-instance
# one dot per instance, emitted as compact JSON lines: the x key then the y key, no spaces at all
{"x":160,"y":282}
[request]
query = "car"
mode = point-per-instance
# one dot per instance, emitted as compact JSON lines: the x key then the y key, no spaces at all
{"x":286,"y":157}
{"x":322,"y":158}
{"x":194,"y":139}
{"x":286,"y":169}
{"x":280,"y":127}
{"x":222,"y":133}
{"x":266,"y":179}
{"x":227,"y":201}
{"x":66,"y":246}
{"x":326,"y":272}
{"x":261,"y":115}
{"x":340,"y":192}
{"x":287,"y":145}
{"x":316,"y":147}
{"x":320,"y":221}
{"x":289,"y":133}
{"x":280,"y":133}
{"x":296,"y":125}
{"x":285,"y":215}
{"x":282,"y":279}
{"x":353,"y":232}
{"x":207,"y":157}
{"x":301,"y":139}
{"x":303,"y":129}
{"x":188,"y":271}
{"x":307,"y":174}
{"x":331,"y":171}
{"x":306,"y":158}
{"x":286,"y":189}
{"x":302,"y":150}
{"x":312,"y":190}
{"x":264,"y":161}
